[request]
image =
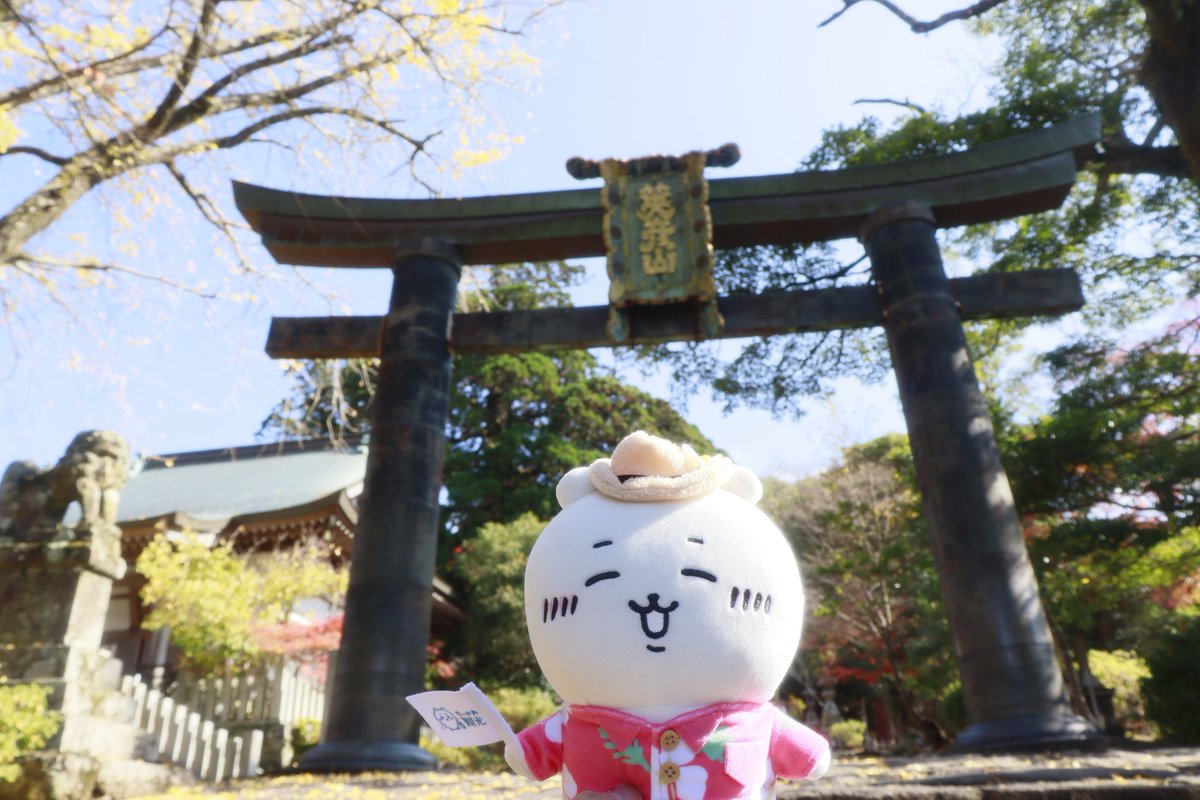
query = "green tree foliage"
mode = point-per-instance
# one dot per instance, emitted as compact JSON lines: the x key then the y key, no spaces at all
{"x":1131,"y":227}
{"x":220,"y":604}
{"x":1110,"y":48}
{"x":876,"y":624}
{"x":520,"y":422}
{"x":26,"y":723}
{"x":491,"y":569}
{"x":1124,"y":432}
{"x":1171,"y":697}
{"x":849,"y":734}
{"x":1123,"y":671}
{"x":517,"y":422}
{"x":1107,"y":485}
{"x":776,"y":373}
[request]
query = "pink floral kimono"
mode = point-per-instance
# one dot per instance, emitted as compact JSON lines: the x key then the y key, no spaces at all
{"x":719,"y":752}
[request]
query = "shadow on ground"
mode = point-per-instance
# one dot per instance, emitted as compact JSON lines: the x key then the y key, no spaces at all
{"x":1113,"y":774}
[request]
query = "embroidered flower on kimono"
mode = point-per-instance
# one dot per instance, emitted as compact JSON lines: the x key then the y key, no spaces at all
{"x":692,"y":779}
{"x":554,"y":727}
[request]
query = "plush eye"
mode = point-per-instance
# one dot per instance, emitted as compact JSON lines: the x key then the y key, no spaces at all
{"x":750,"y":601}
{"x":602,"y":576}
{"x":698,"y":573}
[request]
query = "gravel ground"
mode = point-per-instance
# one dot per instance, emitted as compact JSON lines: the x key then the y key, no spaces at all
{"x":1141,"y":774}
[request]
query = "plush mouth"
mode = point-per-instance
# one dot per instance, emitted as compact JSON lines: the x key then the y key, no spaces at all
{"x":655,"y":618}
{"x":654,"y":624}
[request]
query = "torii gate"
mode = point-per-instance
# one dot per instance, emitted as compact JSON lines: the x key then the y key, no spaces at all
{"x":1011,"y":679}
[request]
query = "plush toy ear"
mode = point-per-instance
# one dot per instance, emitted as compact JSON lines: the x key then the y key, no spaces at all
{"x":745,"y":484}
{"x":574,"y":485}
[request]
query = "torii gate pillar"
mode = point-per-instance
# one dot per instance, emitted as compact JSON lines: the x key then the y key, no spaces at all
{"x":1012,"y":684}
{"x":381,"y":659}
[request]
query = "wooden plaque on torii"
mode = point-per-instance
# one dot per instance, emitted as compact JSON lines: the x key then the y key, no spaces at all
{"x":1011,"y":681}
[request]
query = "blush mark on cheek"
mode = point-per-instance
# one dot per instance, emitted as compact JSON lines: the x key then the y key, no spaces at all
{"x":559,"y":607}
{"x":750,"y":600}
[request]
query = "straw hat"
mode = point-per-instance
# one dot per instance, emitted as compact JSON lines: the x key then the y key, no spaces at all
{"x":648,"y":469}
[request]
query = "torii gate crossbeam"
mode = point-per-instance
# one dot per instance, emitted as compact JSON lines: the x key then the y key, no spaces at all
{"x":1011,"y":680}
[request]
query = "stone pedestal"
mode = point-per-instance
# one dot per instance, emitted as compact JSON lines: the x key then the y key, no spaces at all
{"x":53,"y":600}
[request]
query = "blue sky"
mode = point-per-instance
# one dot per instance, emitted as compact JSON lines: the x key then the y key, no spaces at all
{"x":616,"y":79}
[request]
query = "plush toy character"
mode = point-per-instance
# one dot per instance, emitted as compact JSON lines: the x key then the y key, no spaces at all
{"x":665,"y":609}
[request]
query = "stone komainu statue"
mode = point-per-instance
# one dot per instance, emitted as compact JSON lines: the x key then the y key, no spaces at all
{"x":34,"y":501}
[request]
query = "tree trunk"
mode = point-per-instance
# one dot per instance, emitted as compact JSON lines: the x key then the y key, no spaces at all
{"x":1171,"y":71}
{"x":1071,"y":675}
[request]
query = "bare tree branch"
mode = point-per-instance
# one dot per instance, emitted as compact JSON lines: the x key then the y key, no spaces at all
{"x":187,"y":68}
{"x":203,"y":102}
{"x":48,"y":53}
{"x":212,"y":214}
{"x":29,"y":150}
{"x":425,"y":49}
{"x":28,"y":267}
{"x":1155,"y":130}
{"x":217,"y":49}
{"x":905,"y":103}
{"x":1135,"y":159}
{"x":9,"y":11}
{"x":241,"y":136}
{"x":121,"y":64}
{"x":919,"y":26}
{"x":194,"y":76}
{"x":114,"y":66}
{"x":95,"y":266}
{"x":251,"y":100}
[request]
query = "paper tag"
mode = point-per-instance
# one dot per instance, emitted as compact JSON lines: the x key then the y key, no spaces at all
{"x":462,"y":718}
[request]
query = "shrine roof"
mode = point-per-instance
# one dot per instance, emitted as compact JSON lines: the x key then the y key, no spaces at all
{"x":214,"y":486}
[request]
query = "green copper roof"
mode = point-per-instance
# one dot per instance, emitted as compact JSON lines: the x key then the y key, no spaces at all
{"x":217,"y":485}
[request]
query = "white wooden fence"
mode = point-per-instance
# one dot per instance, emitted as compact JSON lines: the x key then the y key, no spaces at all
{"x":182,"y":736}
{"x":215,"y":726}
{"x":275,"y":693}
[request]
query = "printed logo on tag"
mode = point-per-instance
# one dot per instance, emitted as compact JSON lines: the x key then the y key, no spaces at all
{"x":462,"y":718}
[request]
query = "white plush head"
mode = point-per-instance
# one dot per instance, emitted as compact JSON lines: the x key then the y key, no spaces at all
{"x":665,"y":590}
